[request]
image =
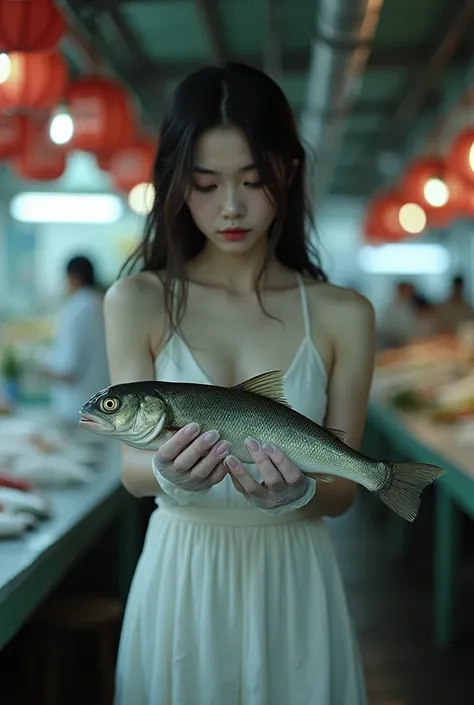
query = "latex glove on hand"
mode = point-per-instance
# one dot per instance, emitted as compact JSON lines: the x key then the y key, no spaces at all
{"x":284,"y":487}
{"x":189,"y":463}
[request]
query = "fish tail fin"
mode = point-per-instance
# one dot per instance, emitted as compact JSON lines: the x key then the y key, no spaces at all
{"x":408,"y":480}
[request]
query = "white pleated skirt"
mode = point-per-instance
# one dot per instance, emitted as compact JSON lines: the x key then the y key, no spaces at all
{"x":231,"y":607}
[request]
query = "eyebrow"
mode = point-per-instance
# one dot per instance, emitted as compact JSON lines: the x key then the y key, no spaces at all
{"x":202,"y":170}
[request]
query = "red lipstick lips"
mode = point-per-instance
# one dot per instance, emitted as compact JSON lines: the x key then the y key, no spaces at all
{"x":234,"y":234}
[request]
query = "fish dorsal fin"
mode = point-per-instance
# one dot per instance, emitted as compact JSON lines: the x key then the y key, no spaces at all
{"x":270,"y":385}
{"x":342,"y":435}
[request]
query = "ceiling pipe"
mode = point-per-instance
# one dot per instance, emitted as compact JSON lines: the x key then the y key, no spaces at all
{"x":335,"y":78}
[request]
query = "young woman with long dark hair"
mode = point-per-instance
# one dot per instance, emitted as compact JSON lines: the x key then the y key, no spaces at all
{"x":237,"y":597}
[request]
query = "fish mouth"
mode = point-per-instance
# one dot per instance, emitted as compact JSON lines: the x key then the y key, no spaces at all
{"x":92,"y":423}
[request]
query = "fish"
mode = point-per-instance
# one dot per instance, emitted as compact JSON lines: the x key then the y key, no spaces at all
{"x":144,"y":414}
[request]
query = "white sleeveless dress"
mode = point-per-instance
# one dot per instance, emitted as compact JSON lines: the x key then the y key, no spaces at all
{"x":230,"y":606}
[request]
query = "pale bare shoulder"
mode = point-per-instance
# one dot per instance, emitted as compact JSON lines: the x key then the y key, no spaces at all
{"x":340,"y":308}
{"x":136,"y":289}
{"x":135,"y":323}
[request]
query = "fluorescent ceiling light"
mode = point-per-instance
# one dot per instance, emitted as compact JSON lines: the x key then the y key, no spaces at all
{"x":416,"y":258}
{"x":66,"y":208}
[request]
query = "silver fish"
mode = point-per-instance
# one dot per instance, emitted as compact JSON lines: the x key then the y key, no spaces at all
{"x":145,"y":414}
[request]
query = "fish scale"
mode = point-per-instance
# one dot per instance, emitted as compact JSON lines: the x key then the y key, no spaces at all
{"x":243,"y":414}
{"x":143,"y":414}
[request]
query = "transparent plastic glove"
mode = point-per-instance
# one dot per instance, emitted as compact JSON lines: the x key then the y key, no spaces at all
{"x":189,"y":463}
{"x":284,"y":487}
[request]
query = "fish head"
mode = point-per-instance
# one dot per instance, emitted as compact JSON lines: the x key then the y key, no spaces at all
{"x":131,"y":413}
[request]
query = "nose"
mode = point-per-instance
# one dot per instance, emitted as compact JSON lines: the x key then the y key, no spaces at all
{"x":233,"y":205}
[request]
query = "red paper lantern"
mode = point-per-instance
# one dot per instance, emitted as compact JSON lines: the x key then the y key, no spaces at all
{"x":12,"y":135}
{"x":418,"y":174}
{"x":460,"y":159}
{"x":461,"y":199}
{"x":133,"y":165}
{"x":102,"y":114}
{"x":37,"y":81}
{"x":30,"y":25}
{"x":103,"y":160}
{"x":382,"y":222}
{"x":40,"y":158}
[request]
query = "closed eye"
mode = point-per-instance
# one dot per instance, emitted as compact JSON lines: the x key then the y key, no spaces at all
{"x":210,"y":188}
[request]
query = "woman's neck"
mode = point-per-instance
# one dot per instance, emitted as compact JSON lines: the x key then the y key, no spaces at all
{"x":237,"y":274}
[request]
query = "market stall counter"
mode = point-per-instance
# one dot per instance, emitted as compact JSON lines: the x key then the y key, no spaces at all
{"x":58,"y":493}
{"x":423,"y":410}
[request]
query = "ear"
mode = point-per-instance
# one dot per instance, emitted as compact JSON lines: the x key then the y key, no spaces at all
{"x":294,"y":168}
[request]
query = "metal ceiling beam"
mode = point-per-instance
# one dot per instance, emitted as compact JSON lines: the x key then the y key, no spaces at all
{"x":418,"y":90}
{"x":210,"y":19}
{"x":272,"y":46}
{"x":294,"y":63}
{"x":459,"y":24}
{"x":335,"y":78}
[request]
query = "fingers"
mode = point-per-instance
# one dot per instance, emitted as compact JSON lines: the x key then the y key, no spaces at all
{"x":198,"y":458}
{"x":270,"y":474}
{"x":244,"y":478}
{"x":207,"y":469}
{"x":238,"y":486}
{"x":290,"y":472}
{"x":175,"y":445}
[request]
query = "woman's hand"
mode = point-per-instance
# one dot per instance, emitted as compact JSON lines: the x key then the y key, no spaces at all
{"x":284,"y":487}
{"x":190,"y":462}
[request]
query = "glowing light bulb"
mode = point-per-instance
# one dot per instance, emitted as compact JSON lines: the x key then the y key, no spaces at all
{"x":436,"y":193}
{"x":412,"y":218}
{"x":141,"y":198}
{"x":471,"y":157}
{"x":61,"y":128}
{"x":5,"y":67}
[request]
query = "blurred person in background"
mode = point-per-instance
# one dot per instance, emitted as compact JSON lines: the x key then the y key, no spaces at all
{"x":456,"y":310}
{"x":237,"y":598}
{"x":426,"y":322}
{"x":397,"y":324}
{"x":77,"y":366}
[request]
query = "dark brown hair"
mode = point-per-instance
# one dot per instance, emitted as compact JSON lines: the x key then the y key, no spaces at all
{"x":246,"y":98}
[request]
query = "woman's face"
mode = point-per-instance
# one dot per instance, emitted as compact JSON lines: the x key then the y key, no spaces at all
{"x":226,"y":198}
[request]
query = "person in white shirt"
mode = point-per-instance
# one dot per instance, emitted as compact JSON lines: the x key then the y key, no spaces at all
{"x":78,"y":366}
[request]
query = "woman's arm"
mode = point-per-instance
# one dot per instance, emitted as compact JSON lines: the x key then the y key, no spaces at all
{"x":352,"y":324}
{"x":130,"y":310}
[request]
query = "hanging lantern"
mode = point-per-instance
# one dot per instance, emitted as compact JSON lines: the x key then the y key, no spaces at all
{"x":133,"y":165}
{"x":30,"y":25}
{"x":103,"y":160}
{"x":36,"y":81}
{"x":40,"y":158}
{"x":102,"y":115}
{"x":390,"y":218}
{"x":12,"y":135}
{"x":461,"y":195}
{"x":460,"y":157}
{"x":424,"y":183}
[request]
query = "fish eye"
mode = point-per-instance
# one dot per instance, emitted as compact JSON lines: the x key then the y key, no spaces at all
{"x":109,"y":404}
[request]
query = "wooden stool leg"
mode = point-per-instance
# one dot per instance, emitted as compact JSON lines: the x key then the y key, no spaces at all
{"x":106,"y":662}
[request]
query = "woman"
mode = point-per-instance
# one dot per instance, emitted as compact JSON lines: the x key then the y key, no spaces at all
{"x":237,"y":598}
{"x":77,"y":365}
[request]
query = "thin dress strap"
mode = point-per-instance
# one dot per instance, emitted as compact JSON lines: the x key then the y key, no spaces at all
{"x":304,"y":306}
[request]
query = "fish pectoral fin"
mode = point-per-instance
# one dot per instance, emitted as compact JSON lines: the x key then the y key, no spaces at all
{"x":324,"y":478}
{"x":269,"y":384}
{"x":173,"y":429}
{"x":342,"y":435}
